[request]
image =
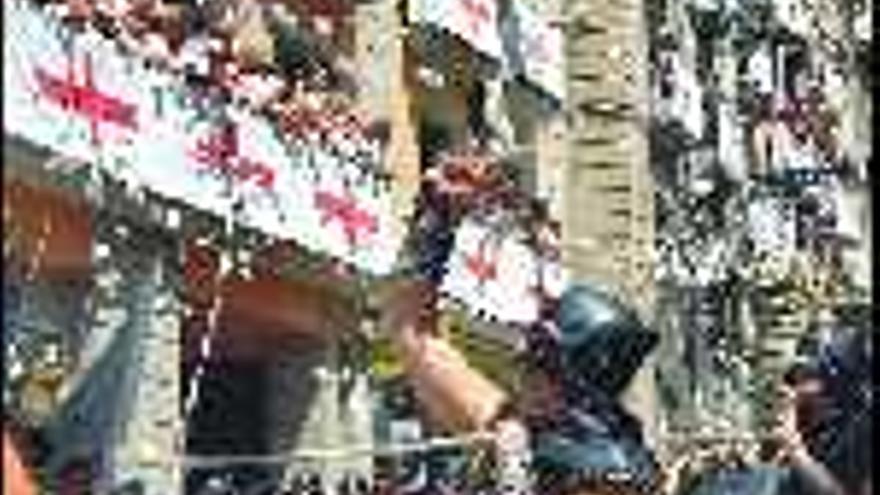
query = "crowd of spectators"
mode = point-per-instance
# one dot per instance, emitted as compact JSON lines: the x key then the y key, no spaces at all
{"x":793,"y":124}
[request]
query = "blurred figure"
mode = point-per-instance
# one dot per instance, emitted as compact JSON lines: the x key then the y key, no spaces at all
{"x":760,"y":79}
{"x":825,"y":425}
{"x":16,"y":478}
{"x":581,"y":440}
{"x":808,"y":476}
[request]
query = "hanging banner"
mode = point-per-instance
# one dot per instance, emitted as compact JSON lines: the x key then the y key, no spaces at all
{"x":533,"y":49}
{"x":79,"y":96}
{"x":62,"y":91}
{"x":498,"y":274}
{"x":521,"y":38}
{"x":474,"y":21}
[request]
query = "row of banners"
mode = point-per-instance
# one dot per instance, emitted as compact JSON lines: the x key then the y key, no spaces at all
{"x":493,"y":273}
{"x":524,"y":42}
{"x":80,"y":97}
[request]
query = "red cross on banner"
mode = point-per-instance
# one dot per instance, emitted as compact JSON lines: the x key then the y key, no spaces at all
{"x":219,"y":150}
{"x":86,"y":99}
{"x":299,"y":121}
{"x":344,"y":209}
{"x":477,"y":15}
{"x":483,"y":267}
{"x":219,"y":147}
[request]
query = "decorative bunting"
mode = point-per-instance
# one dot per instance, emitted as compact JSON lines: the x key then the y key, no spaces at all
{"x":345,"y":210}
{"x":533,"y":49}
{"x":86,"y":100}
{"x":220,"y":151}
{"x":495,"y":273}
{"x":144,"y":127}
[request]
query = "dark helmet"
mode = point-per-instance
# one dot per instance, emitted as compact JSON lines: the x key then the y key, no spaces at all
{"x":601,"y":340}
{"x":598,"y":349}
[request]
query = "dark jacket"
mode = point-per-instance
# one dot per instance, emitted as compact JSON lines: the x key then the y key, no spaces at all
{"x":599,"y":346}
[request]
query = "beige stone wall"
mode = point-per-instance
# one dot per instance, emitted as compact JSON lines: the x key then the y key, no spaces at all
{"x":608,"y":214}
{"x":608,"y":205}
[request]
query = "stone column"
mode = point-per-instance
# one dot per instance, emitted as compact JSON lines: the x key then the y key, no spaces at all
{"x":608,"y":220}
{"x":317,"y":404}
{"x":152,"y":431}
{"x":385,"y":92}
{"x":607,"y":173}
{"x":295,"y":396}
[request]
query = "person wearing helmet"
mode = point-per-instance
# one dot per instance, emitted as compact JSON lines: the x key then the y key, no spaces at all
{"x":581,"y":440}
{"x":826,"y":418}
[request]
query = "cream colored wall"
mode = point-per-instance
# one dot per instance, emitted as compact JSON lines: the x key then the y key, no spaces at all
{"x":608,"y":215}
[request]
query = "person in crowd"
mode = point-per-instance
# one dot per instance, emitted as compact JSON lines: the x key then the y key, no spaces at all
{"x":807,"y":475}
{"x":759,"y":76}
{"x":821,"y":443}
{"x":582,"y":441}
{"x":825,"y":428}
{"x":79,"y":12}
{"x":17,"y":479}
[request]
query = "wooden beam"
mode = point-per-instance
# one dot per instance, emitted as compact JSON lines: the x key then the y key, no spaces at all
{"x":48,"y":231}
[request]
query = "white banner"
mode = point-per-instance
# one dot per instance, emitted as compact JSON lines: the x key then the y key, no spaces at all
{"x":82,"y":98}
{"x":522,"y":39}
{"x":62,"y":93}
{"x":475,"y":21}
{"x":499,"y":274}
{"x":534,"y":49}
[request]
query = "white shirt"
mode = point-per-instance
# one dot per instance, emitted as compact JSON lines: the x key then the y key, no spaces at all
{"x":687,"y":104}
{"x":258,"y":88}
{"x":514,"y":457}
{"x":156,"y":46}
{"x":760,"y":71}
{"x":194,"y":52}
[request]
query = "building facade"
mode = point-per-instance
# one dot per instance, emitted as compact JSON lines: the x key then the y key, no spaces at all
{"x":655,"y":132}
